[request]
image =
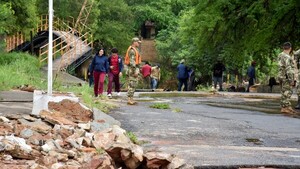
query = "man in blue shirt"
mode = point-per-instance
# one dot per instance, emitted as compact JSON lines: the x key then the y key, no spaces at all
{"x":182,"y":75}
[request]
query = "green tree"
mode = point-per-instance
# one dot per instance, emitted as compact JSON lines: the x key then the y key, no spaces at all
{"x":6,"y":17}
{"x":113,"y":26}
{"x":63,"y":9}
{"x":234,"y":30}
{"x":24,"y":15}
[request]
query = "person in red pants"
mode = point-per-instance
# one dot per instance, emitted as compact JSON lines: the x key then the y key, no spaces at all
{"x":115,"y":72}
{"x":99,"y":67}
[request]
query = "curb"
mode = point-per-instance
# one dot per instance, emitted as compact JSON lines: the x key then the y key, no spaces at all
{"x":213,"y":94}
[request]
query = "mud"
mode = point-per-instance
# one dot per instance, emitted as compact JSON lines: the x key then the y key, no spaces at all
{"x":71,"y":110}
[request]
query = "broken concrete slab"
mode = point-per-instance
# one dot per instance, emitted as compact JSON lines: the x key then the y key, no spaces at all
{"x":56,"y":118}
{"x":26,"y":133}
{"x":37,"y":125}
{"x":103,"y":140}
{"x":10,"y":142}
{"x":6,"y":129}
{"x":4,"y":119}
{"x":68,"y":144}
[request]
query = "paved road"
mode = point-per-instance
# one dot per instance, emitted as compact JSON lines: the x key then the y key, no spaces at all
{"x":231,"y":129}
{"x":223,"y":130}
{"x":15,"y":102}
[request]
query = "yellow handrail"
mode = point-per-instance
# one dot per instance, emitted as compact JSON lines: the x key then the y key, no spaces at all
{"x":66,"y":46}
{"x":62,"y":44}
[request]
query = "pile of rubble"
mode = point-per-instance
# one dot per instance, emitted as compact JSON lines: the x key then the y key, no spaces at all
{"x":61,"y":138}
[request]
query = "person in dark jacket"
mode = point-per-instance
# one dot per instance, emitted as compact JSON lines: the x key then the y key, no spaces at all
{"x":191,"y":80}
{"x":99,"y":67}
{"x":115,"y":71}
{"x":218,"y":70}
{"x":251,"y":74}
{"x":182,"y":75}
{"x":90,"y":75}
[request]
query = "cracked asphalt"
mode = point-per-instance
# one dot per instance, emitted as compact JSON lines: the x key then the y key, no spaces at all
{"x":215,"y":130}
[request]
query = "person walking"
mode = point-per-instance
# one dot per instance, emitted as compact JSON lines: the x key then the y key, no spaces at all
{"x":297,"y":60}
{"x":146,"y":72}
{"x":132,"y":60}
{"x":90,"y":75}
{"x":191,"y":80}
{"x":155,"y":76}
{"x":182,"y":75}
{"x":218,"y":70}
{"x":99,"y":67}
{"x":251,"y":75}
{"x":115,"y":72}
{"x":286,"y":78}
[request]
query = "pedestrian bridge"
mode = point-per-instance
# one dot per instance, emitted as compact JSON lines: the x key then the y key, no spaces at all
{"x":70,"y":47}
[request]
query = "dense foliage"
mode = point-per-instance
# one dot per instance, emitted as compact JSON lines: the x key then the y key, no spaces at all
{"x":113,"y":27}
{"x":17,"y":15}
{"x":235,"y":31}
{"x":201,"y":32}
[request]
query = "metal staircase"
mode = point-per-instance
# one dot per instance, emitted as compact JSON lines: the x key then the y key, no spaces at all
{"x":72,"y":44}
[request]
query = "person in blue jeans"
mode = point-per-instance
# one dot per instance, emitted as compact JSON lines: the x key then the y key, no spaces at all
{"x":182,"y":75}
{"x":155,"y":76}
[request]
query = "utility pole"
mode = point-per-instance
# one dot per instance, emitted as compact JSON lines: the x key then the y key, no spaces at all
{"x":50,"y":53}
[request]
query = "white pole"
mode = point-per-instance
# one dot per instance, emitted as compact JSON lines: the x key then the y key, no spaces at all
{"x":50,"y":47}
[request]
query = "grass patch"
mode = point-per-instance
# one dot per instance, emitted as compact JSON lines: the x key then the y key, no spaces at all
{"x":100,"y":151}
{"x":18,"y":69}
{"x":203,"y":88}
{"x":160,"y":106}
{"x":254,"y":141}
{"x":132,"y":137}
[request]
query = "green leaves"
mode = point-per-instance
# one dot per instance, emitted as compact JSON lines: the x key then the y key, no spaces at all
{"x":6,"y":17}
{"x":17,"y":15}
{"x":114,"y":25}
{"x":238,"y":31}
{"x":22,"y":15}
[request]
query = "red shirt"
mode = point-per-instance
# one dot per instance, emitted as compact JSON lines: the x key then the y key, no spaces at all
{"x":146,"y":70}
{"x":114,"y":61}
